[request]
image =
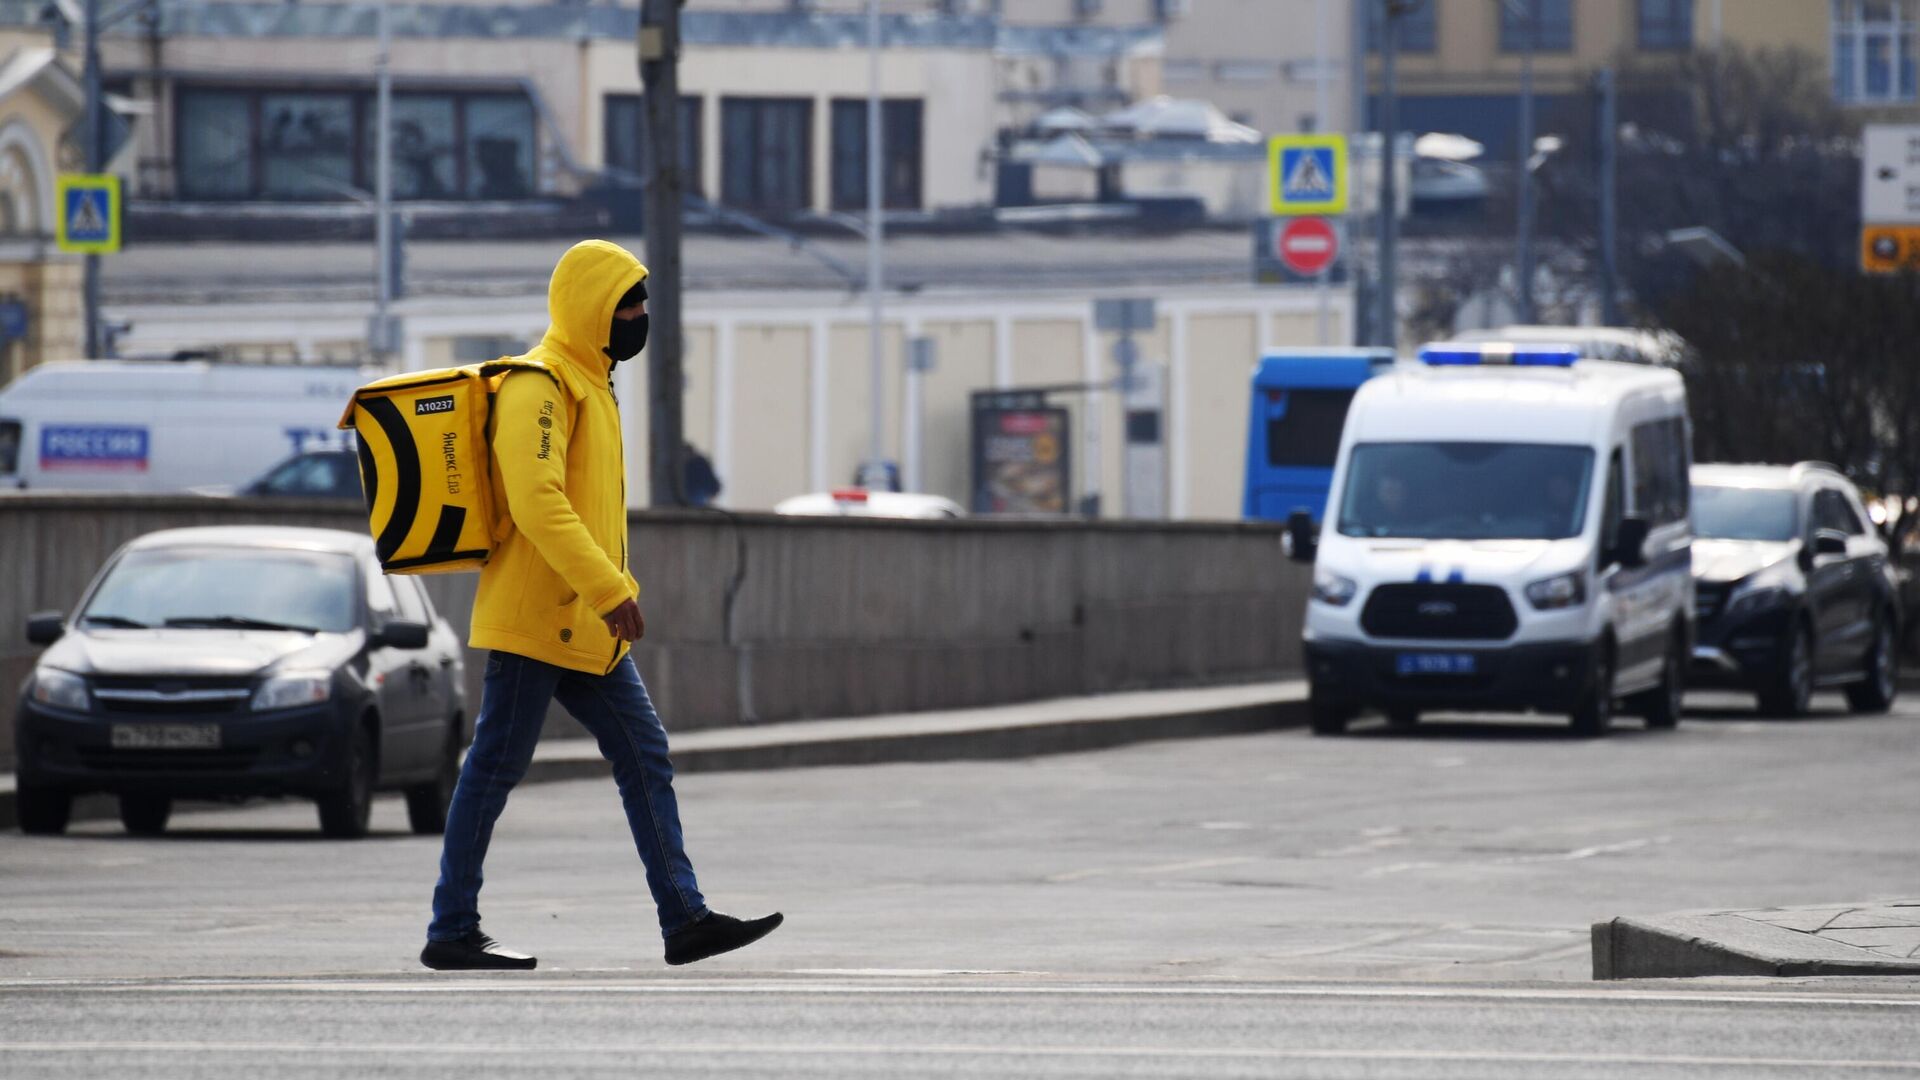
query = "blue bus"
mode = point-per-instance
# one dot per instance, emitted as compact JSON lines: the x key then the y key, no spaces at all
{"x":1300,"y":399}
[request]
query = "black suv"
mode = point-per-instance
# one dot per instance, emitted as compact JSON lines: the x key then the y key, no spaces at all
{"x":1793,"y":588}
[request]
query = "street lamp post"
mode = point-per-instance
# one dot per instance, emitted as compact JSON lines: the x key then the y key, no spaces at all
{"x":1529,"y":13}
{"x":1387,"y":332}
{"x":96,"y":153}
{"x":876,"y":418}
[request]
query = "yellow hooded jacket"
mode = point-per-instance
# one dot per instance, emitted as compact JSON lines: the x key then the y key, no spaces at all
{"x":558,"y":457}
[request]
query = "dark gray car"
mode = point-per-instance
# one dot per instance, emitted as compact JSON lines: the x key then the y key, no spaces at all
{"x":243,"y":661}
{"x":1793,"y":588}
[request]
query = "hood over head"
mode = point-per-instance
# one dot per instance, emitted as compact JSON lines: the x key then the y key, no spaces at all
{"x":585,"y":291}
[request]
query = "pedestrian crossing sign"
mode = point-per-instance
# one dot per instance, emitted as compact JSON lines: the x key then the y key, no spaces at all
{"x":1307,"y":174}
{"x":88,"y":222}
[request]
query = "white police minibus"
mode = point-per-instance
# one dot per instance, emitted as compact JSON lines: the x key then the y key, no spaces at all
{"x":1507,"y":530}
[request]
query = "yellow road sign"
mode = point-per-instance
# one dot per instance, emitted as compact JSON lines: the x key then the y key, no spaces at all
{"x":1889,"y":249}
{"x":88,"y":222}
{"x":1307,"y":174}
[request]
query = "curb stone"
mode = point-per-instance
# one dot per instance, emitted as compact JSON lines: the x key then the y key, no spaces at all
{"x":1007,"y":732}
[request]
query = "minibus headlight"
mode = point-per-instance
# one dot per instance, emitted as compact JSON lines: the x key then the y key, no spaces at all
{"x":1559,"y":591}
{"x":1331,"y":588}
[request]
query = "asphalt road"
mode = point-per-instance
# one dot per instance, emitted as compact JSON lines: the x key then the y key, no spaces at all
{"x":1271,"y":905}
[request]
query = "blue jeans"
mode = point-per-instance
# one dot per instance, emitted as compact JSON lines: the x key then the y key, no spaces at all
{"x":616,"y":710}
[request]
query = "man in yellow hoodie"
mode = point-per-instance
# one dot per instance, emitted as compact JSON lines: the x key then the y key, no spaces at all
{"x":560,"y":612}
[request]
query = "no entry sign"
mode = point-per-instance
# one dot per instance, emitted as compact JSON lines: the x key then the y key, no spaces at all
{"x":1307,"y":245}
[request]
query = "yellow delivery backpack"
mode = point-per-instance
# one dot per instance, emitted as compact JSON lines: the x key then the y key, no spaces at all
{"x":426,"y":465}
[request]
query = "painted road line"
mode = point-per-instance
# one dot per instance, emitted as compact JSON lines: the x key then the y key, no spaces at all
{"x":460,"y":984}
{"x":335,"y":1049}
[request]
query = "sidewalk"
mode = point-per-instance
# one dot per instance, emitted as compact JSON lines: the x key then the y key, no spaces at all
{"x":1868,"y":938}
{"x":1055,"y":726}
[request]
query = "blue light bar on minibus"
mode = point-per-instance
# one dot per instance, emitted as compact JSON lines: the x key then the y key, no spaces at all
{"x":1453,"y":354}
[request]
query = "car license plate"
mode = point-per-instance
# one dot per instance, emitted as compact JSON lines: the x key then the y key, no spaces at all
{"x":166,"y":736}
{"x":1436,"y":664}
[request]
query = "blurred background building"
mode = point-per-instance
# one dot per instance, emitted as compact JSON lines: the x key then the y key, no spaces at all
{"x":1039,"y":155}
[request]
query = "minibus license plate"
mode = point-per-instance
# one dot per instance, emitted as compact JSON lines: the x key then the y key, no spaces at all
{"x":1436,"y":664}
{"x":166,"y":736}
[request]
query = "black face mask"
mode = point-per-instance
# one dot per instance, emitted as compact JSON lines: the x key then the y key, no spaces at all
{"x":629,"y":337}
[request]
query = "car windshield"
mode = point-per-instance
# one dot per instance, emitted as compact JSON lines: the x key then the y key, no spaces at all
{"x":9,"y":447}
{"x":1466,"y":491}
{"x":1738,"y":513}
{"x":228,"y":588}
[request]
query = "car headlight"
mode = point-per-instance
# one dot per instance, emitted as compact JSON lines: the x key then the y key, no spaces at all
{"x":1759,"y":597}
{"x":1331,"y":588}
{"x":293,"y":689}
{"x":60,"y":689}
{"x":1560,"y":591}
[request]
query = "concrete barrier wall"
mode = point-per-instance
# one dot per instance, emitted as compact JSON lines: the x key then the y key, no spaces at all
{"x":757,"y":619}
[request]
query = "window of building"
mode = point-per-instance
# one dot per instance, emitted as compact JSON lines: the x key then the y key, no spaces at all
{"x":1548,"y":22}
{"x":766,"y":153}
{"x":245,"y":143}
{"x":1874,"y":51}
{"x":900,"y":139}
{"x":625,"y":121}
{"x":216,"y":145}
{"x":1417,"y":27}
{"x":426,"y":149}
{"x":1666,"y":25}
{"x":306,"y":145}
{"x":500,"y":150}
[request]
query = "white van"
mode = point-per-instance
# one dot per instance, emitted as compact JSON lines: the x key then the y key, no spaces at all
{"x":1507,"y":530}
{"x":153,"y":426}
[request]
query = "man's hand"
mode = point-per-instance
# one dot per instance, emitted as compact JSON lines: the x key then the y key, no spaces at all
{"x":626,"y":623}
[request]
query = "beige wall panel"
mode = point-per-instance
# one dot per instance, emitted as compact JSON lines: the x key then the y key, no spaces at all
{"x":964,"y":363}
{"x":1221,"y":352}
{"x":1777,"y":24}
{"x":848,"y":393}
{"x":769,"y":451}
{"x":697,"y":413}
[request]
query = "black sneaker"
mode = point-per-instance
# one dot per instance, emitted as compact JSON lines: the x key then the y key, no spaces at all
{"x":716,"y":934}
{"x":475,"y":952}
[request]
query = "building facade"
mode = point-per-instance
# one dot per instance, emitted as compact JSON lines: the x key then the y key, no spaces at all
{"x":1460,"y":61}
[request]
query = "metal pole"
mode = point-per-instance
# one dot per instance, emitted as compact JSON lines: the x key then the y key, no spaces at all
{"x":1357,"y":126}
{"x":1523,"y":261}
{"x":1387,"y":330}
{"x":383,"y":186}
{"x":876,"y":419}
{"x":96,"y":153}
{"x":665,"y":194}
{"x":1609,"y":198}
{"x":1322,"y":61}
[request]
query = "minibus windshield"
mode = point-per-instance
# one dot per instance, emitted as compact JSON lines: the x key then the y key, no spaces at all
{"x":1734,"y":513}
{"x":1466,"y":491}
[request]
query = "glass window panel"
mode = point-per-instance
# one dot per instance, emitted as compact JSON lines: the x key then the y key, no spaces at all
{"x":500,"y":147}
{"x":306,"y":145}
{"x":767,"y":146}
{"x":1417,"y":33}
{"x":783,"y":155}
{"x":1552,"y":25}
{"x":623,"y":149}
{"x":1844,"y":66}
{"x":1879,"y":64}
{"x":216,"y":145}
{"x":738,"y":121}
{"x":849,"y":155}
{"x":426,"y":161}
